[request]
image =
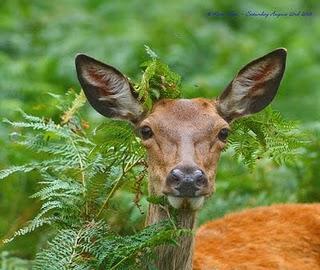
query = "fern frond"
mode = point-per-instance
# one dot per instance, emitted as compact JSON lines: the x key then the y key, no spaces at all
{"x":77,"y":103}
{"x":124,"y":252}
{"x":61,"y":253}
{"x":41,"y":124}
{"x":23,"y":168}
{"x":150,"y":52}
{"x":8,"y":261}
{"x":266,"y":135}
{"x":53,"y":184}
{"x":72,"y":248}
{"x":157,"y":81}
{"x":30,"y":227}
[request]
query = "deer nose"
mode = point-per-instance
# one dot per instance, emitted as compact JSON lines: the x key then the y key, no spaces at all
{"x":187,"y":181}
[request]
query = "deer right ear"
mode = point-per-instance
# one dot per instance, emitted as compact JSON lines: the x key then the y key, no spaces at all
{"x":254,"y":87}
{"x":107,"y":89}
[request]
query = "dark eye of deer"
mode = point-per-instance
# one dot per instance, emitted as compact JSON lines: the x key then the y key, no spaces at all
{"x":223,"y":134}
{"x":146,"y":132}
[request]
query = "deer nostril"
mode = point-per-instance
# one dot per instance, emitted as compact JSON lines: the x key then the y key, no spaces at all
{"x":175,"y":178}
{"x":200,"y":178}
{"x":198,"y":173}
{"x":187,"y":181}
{"x":176,"y":173}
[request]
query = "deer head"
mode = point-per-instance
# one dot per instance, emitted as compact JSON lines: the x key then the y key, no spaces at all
{"x":183,"y":137}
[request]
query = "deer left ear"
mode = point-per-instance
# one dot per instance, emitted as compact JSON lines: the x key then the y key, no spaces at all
{"x":254,"y":87}
{"x":108,"y":90}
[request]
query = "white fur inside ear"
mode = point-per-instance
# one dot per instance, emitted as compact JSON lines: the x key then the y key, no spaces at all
{"x":97,"y":76}
{"x":262,"y":71}
{"x":249,"y":83}
{"x":116,"y":90}
{"x":127,"y":104}
{"x":252,"y":76}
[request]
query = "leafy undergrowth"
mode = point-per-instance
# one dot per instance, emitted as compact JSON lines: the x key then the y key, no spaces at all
{"x":78,"y":176}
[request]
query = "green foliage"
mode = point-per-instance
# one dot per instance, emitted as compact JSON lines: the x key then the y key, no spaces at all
{"x":157,"y":81}
{"x":72,"y":248}
{"x":78,"y":180}
{"x":121,"y":252}
{"x":267,"y":135}
{"x":10,"y":262}
{"x":73,"y":168}
{"x":38,"y":41}
{"x":307,"y":169}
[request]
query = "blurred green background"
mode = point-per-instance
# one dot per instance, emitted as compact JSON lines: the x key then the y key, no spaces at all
{"x":38,"y":42}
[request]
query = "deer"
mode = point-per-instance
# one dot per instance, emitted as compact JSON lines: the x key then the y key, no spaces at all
{"x":184,"y":139}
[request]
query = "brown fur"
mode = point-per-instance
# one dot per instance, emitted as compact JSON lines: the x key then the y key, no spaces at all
{"x":185,"y":132}
{"x":278,"y":237}
{"x":174,"y":257}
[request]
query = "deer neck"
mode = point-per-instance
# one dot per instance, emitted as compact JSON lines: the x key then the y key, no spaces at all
{"x":173,"y":257}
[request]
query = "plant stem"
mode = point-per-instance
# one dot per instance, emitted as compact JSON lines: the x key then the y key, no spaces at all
{"x":82,"y":175}
{"x":127,"y":168}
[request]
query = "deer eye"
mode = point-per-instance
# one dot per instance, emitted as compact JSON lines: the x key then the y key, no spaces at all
{"x":146,"y":132}
{"x":223,"y":134}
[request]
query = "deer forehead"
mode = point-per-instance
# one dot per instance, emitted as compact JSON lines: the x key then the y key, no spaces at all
{"x":184,"y":118}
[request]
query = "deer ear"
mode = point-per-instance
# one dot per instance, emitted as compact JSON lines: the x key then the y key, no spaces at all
{"x":254,"y":87}
{"x":107,"y":89}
